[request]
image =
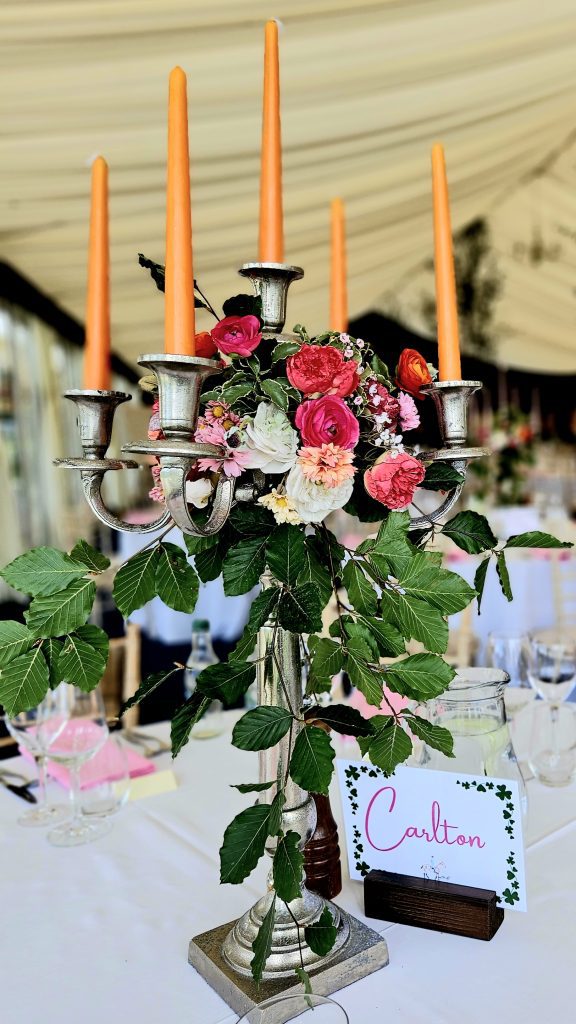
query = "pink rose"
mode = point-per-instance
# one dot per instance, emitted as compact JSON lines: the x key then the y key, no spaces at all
{"x":322,"y":369}
{"x":327,"y":420}
{"x":237,"y":335}
{"x":393,"y":479}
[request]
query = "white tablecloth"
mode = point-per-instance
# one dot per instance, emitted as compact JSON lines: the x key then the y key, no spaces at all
{"x":100,"y":933}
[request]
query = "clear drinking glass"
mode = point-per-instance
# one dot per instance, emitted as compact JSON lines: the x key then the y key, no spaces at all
{"x":23,"y":728}
{"x":552,"y":673}
{"x":509,"y":651}
{"x":472,"y":709}
{"x":310,"y":1009}
{"x":105,"y":779}
{"x":71,"y":729}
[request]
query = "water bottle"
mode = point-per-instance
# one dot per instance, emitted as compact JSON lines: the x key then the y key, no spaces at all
{"x":201,"y":656}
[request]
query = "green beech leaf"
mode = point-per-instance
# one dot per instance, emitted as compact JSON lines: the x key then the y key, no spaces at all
{"x":243,"y":565}
{"x":304,"y":977}
{"x":62,"y":612}
{"x":253,"y":787}
{"x":365,"y":678}
{"x":261,"y":728}
{"x":24,"y":682}
{"x":80,"y":663}
{"x":480,"y":580}
{"x":300,"y":610}
{"x":278,"y":394}
{"x":327,"y":658}
{"x":90,"y":557}
{"x":432,"y":735}
{"x":96,"y":637}
{"x":312,"y":760}
{"x":135,"y":582}
{"x":536,"y":539}
{"x":390,"y":642}
{"x":243,"y":844}
{"x":420,"y":676}
{"x":315,"y":570}
{"x":196,"y":544}
{"x":284,"y":349}
{"x":285,"y":553}
{"x":341,"y":718}
{"x":321,"y":935}
{"x":441,"y":476}
{"x":275,"y":820}
{"x":262,"y":608}
{"x":252,"y":520}
{"x":263,"y":943}
{"x":42,"y":571}
{"x":390,"y":746}
{"x":358,"y":631}
{"x":287,"y":867}
{"x":471,"y":532}
{"x":439,"y":587}
{"x":185,"y":718}
{"x":503,"y":575}
{"x":208,"y":563}
{"x":51,"y":649}
{"x":15,"y":639}
{"x":148,"y":686}
{"x":176,"y":582}
{"x":227,"y":681}
{"x":360,"y":589}
{"x":243,"y":305}
{"x":416,"y":619}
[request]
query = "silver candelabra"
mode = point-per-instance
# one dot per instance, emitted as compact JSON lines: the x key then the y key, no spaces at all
{"x":223,"y":955}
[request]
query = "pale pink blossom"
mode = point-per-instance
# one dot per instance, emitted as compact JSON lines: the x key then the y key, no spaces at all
{"x":409,"y":415}
{"x":329,"y":464}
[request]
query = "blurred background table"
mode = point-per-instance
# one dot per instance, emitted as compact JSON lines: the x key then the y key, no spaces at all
{"x":101,"y":931}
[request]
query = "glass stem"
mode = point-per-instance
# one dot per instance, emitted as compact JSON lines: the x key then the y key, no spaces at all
{"x":41,"y":769}
{"x":75,"y":793}
{"x":554,"y":726}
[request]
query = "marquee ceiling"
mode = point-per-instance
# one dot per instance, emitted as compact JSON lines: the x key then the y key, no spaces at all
{"x":367,"y":87}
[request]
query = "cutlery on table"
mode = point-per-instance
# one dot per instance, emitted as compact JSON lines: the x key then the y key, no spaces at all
{"x":22,"y":790}
{"x":151,"y":746}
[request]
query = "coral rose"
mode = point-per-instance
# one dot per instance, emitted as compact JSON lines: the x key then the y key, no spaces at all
{"x":322,"y":370}
{"x":412,"y":372}
{"x":205,"y":347}
{"x":327,"y":420}
{"x":237,"y":335}
{"x":393,"y":479}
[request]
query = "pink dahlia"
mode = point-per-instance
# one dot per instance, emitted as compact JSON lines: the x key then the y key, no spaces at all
{"x":329,"y":464}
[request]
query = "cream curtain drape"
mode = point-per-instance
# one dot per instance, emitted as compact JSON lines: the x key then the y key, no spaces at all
{"x":367,"y":87}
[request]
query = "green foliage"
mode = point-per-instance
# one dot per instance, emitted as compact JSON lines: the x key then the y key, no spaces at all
{"x":471,"y":532}
{"x":341,"y":718}
{"x":360,"y":590}
{"x":367,"y":679}
{"x":327,"y":658}
{"x":243,"y":565}
{"x":416,"y":619}
{"x":80,"y":663}
{"x":185,"y":718}
{"x":226,"y":681}
{"x":389,"y":640}
{"x":285,"y":553}
{"x":284,"y":349}
{"x":93,"y":559}
{"x":480,"y":580}
{"x":536,"y":539}
{"x":253,"y":787}
{"x":263,"y":943}
{"x":287,"y":867}
{"x":276,"y":392}
{"x":503,"y":575}
{"x":243,"y":843}
{"x":300,"y":610}
{"x":444,"y":589}
{"x":315,"y":568}
{"x":321,"y":935}
{"x":61,"y":612}
{"x":433,"y":735}
{"x":390,"y":745}
{"x":51,"y":648}
{"x":15,"y":639}
{"x":148,"y":686}
{"x":24,"y":682}
{"x":275,"y":819}
{"x":176,"y":582}
{"x":135,"y":581}
{"x":441,"y":476}
{"x":261,"y":728}
{"x":42,"y":571}
{"x":312,"y":760}
{"x":420,"y":676}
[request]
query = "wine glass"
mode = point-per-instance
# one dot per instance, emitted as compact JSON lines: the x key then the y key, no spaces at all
{"x":22,"y":727}
{"x":509,"y":651}
{"x":71,"y":729}
{"x":105,"y":779}
{"x":310,"y":1009}
{"x":552,"y":673}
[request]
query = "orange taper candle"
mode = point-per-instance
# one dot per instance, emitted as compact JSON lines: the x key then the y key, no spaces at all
{"x":271,"y":236}
{"x":338,"y":288}
{"x":179,"y":283}
{"x":446,"y":305}
{"x":97,"y":350}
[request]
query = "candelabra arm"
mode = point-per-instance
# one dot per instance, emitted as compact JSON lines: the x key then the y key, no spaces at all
{"x":173,"y":476}
{"x":424,"y":521}
{"x":92,"y":484}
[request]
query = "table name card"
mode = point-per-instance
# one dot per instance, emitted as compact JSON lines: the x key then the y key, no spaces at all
{"x":432,"y":824}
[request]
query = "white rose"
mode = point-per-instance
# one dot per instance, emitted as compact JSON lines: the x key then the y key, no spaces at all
{"x":271,"y":440}
{"x":199,"y":491}
{"x":313,"y":502}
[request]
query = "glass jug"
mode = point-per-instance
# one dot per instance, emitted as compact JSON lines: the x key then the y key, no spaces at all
{"x":472,"y":709}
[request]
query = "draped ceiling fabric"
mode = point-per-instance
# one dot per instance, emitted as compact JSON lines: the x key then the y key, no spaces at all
{"x":367,"y":87}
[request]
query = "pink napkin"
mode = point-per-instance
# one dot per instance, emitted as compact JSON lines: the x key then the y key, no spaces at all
{"x":107,"y":765}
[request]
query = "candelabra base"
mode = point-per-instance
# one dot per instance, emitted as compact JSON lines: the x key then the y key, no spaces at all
{"x":364,"y":953}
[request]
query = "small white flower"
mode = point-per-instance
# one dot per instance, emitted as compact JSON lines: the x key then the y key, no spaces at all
{"x":281,"y":506}
{"x":373,"y":389}
{"x":348,"y":352}
{"x":358,"y":400}
{"x":360,"y":343}
{"x":345,"y":339}
{"x":376,"y":400}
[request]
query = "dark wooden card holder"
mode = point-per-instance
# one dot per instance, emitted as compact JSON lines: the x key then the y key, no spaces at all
{"x":426,"y":903}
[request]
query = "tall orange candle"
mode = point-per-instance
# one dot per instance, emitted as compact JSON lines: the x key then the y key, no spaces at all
{"x":179,"y":284}
{"x":446,"y":304}
{"x":338,"y":287}
{"x":271,"y":235}
{"x":97,"y":350}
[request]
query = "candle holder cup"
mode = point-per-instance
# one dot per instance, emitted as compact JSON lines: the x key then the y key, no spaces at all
{"x":271,"y":282}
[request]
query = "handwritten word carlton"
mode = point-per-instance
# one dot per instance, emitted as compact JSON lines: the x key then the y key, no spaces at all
{"x":439,"y":831}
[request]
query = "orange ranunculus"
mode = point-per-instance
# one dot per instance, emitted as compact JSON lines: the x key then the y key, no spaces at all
{"x":412,"y":372}
{"x":205,"y":347}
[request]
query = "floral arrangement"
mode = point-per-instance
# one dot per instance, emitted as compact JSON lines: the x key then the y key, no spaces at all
{"x":320,"y":423}
{"x":503,"y":476}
